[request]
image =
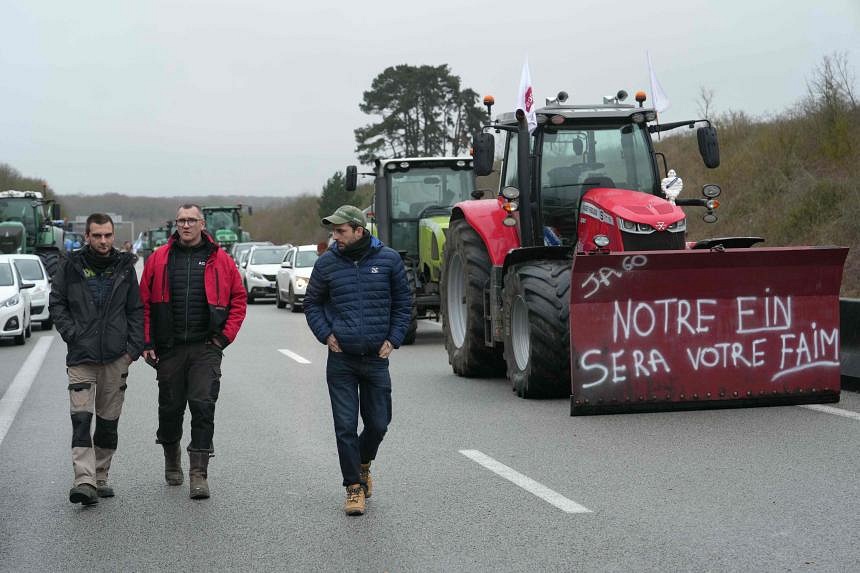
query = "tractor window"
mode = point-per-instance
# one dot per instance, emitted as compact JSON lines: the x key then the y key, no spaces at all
{"x":6,"y":275}
{"x":510,"y":177}
{"x":576,"y":160}
{"x":422,"y":192}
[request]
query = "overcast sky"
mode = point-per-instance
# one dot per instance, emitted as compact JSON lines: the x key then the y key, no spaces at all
{"x":188,"y":97}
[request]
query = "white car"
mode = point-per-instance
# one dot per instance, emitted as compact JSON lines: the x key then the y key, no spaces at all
{"x":33,"y":271}
{"x":14,"y":302}
{"x":293,"y":276}
{"x":259,"y":268}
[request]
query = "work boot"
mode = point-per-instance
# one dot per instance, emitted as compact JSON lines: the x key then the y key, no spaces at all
{"x":173,"y":464}
{"x":85,"y":494}
{"x":364,"y":474}
{"x":354,"y":500}
{"x":197,"y":474}
{"x":103,"y":489}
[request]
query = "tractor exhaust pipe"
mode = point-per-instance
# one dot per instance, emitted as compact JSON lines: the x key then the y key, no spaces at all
{"x":527,"y":234}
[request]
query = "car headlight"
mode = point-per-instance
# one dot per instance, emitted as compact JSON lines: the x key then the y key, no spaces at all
{"x":301,"y":282}
{"x":255,"y":275}
{"x":10,"y":302}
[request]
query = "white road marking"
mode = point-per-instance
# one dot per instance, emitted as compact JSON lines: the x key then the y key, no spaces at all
{"x":832,"y":410}
{"x":525,"y":482}
{"x":20,"y":386}
{"x":294,"y":356}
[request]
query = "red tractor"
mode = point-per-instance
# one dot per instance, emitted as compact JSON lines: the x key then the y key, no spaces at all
{"x":578,"y":279}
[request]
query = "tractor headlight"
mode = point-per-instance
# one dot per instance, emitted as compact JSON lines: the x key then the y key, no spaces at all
{"x":678,"y":226}
{"x":14,"y":300}
{"x":633,"y":227}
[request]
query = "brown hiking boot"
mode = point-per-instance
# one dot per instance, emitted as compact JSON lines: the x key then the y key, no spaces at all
{"x":84,"y":494}
{"x":355,"y":504}
{"x":103,"y":489}
{"x":173,"y":464}
{"x":197,"y":474}
{"x":364,"y":475}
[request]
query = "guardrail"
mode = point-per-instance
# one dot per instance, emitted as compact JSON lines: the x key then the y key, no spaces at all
{"x":849,"y":340}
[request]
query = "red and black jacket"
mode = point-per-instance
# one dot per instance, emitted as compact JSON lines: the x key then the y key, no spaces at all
{"x":225,"y":296}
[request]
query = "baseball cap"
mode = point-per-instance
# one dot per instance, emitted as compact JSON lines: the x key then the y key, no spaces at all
{"x":346,"y":214}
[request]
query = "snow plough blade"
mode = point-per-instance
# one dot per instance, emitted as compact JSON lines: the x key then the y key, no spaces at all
{"x":675,"y":330}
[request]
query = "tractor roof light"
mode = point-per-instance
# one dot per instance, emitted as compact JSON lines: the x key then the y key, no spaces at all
{"x":638,"y":117}
{"x":557,"y":119}
{"x":650,"y":115}
{"x":489,"y":100}
{"x":641,"y":97}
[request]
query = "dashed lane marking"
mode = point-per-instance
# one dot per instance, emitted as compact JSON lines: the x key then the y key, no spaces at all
{"x":294,"y":356}
{"x":20,"y":386}
{"x":525,"y":482}
{"x":832,"y":410}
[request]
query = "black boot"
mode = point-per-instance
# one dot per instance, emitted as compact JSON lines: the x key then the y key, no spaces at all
{"x":173,"y":464}
{"x":197,"y":474}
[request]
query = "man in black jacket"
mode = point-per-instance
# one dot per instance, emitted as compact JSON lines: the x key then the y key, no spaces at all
{"x":95,"y":304}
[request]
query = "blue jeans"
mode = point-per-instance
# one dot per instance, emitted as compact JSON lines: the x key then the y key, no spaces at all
{"x":358,"y":384}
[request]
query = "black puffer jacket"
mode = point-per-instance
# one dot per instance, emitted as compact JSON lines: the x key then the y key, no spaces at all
{"x":96,"y":335}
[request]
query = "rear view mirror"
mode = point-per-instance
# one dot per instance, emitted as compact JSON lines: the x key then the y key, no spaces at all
{"x":286,"y":265}
{"x":709,"y":147}
{"x":351,"y":177}
{"x":27,"y":285}
{"x":484,"y":152}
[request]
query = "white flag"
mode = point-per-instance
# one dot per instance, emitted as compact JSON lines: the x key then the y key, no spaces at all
{"x":658,"y":96}
{"x":525,"y":97}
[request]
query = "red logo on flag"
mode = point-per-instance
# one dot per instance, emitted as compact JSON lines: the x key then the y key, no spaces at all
{"x":529,"y":99}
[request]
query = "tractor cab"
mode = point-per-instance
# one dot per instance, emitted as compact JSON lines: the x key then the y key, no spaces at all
{"x":595,"y":176}
{"x":26,"y":226}
{"x":224,"y":223}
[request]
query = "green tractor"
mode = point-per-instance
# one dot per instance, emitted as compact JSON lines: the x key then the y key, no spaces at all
{"x":411,"y":209}
{"x":26,"y":227}
{"x":224,"y":223}
{"x":151,"y":239}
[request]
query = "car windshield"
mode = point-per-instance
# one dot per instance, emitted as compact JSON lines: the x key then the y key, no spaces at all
{"x":6,"y":275}
{"x":268,"y":256}
{"x":306,"y":259}
{"x":30,"y":269}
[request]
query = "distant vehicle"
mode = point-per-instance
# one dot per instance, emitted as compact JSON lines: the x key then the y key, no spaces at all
{"x":293,"y":276}
{"x":14,"y":302}
{"x":260,"y":267}
{"x":73,"y":241}
{"x":26,"y":226}
{"x":33,"y":270}
{"x":239,"y":248}
{"x":151,"y":239}
{"x":224,"y":223}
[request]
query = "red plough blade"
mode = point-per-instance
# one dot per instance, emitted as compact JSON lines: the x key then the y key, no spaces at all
{"x":667,"y":330}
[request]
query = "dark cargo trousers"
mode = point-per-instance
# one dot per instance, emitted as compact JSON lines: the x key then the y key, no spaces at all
{"x":358,"y":384}
{"x":188,"y":374}
{"x":95,"y":389}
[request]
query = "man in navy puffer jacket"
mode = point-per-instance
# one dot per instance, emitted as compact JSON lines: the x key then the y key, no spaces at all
{"x":358,"y":303}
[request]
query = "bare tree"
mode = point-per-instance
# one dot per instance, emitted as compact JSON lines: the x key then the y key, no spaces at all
{"x":705,"y":102}
{"x":831,"y":87}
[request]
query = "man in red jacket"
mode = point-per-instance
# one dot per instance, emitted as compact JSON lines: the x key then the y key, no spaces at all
{"x":193,"y":306}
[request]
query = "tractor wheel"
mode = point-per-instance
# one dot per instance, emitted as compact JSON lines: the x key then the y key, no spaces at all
{"x":465,"y":273}
{"x":413,"y":318}
{"x":537,"y":335}
{"x":278,"y":300}
{"x":51,"y":260}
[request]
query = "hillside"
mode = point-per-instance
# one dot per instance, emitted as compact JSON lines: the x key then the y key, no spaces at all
{"x":794,"y":180}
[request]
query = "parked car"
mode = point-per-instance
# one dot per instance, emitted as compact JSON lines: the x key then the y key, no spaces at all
{"x":239,"y":249}
{"x":260,"y":268}
{"x":14,"y":302}
{"x":33,"y":270}
{"x":293,"y":276}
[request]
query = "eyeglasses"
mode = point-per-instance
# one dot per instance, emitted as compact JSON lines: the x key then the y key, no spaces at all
{"x":186,"y":222}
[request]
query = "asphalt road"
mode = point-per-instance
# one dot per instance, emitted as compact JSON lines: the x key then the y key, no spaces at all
{"x":760,"y":489}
